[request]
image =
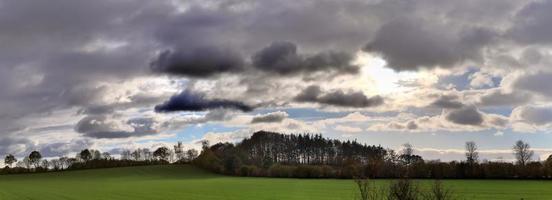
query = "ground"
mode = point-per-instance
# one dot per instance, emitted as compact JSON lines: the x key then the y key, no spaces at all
{"x":187,"y":182}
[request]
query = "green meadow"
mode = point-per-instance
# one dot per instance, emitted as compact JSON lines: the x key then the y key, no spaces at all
{"x":187,"y":182}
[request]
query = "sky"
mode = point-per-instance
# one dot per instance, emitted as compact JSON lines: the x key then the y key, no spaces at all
{"x":126,"y":74}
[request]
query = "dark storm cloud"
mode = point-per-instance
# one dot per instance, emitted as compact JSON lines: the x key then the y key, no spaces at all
{"x":468,"y":115}
{"x":198,"y":62}
{"x":408,"y":44}
{"x":314,"y":94}
{"x":104,"y":127}
{"x":283,"y":58}
{"x":447,"y":101}
{"x":189,"y":101}
{"x":270,"y":117}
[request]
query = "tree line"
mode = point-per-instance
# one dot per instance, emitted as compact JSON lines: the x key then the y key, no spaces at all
{"x":90,"y":159}
{"x":312,"y":156}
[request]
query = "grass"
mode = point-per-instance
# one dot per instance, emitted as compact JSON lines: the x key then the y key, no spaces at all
{"x":187,"y":182}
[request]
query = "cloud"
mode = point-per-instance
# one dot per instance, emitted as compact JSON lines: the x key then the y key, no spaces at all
{"x":270,"y":117}
{"x":348,"y":129}
{"x":533,"y":115}
{"x":15,"y":145}
{"x":104,"y":127}
{"x":532,"y":24}
{"x":189,"y":101}
{"x":447,"y":101}
{"x":65,"y":148}
{"x":409,"y":44}
{"x":468,"y":115}
{"x":497,"y":97}
{"x":314,"y":94}
{"x":282,"y":58}
{"x":198,"y":62}
{"x":534,"y":82}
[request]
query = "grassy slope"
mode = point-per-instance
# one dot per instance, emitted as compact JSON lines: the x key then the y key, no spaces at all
{"x":186,"y":182}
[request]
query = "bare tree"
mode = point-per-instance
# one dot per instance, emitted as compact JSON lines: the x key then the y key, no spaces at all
{"x":136,"y":154}
{"x":522,"y":152}
{"x":472,"y":156}
{"x":126,"y":155}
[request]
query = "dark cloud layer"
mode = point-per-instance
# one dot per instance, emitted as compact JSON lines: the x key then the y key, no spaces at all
{"x":314,"y":94}
{"x":283,"y":58}
{"x":408,"y":44}
{"x":189,"y":101}
{"x":198,"y":62}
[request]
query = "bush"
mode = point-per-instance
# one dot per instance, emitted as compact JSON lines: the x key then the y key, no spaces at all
{"x":403,"y":189}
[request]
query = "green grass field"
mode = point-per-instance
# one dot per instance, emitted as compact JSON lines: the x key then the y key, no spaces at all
{"x":187,"y":182}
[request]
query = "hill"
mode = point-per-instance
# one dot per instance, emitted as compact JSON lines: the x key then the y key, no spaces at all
{"x":187,"y":182}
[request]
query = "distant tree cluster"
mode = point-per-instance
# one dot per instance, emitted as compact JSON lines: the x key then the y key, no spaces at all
{"x":312,"y":156}
{"x":90,"y":159}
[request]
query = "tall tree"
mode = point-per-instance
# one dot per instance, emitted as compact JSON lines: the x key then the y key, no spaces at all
{"x":472,"y":156}
{"x":522,"y":152}
{"x":34,"y":158}
{"x":9,"y":160}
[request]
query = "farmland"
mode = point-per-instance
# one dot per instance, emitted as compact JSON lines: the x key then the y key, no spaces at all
{"x":187,"y":182}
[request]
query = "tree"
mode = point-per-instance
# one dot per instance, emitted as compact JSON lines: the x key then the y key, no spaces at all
{"x":34,"y":158}
{"x":96,"y":154}
{"x":106,"y":156}
{"x":522,"y":152}
{"x":85,"y":155}
{"x":472,"y":156}
{"x":126,"y":155}
{"x":407,"y":150}
{"x":136,"y":154}
{"x":44,"y":164}
{"x":9,"y":160}
{"x":162,"y":153}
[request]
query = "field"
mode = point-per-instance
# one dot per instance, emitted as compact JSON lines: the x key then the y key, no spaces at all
{"x":187,"y":182}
